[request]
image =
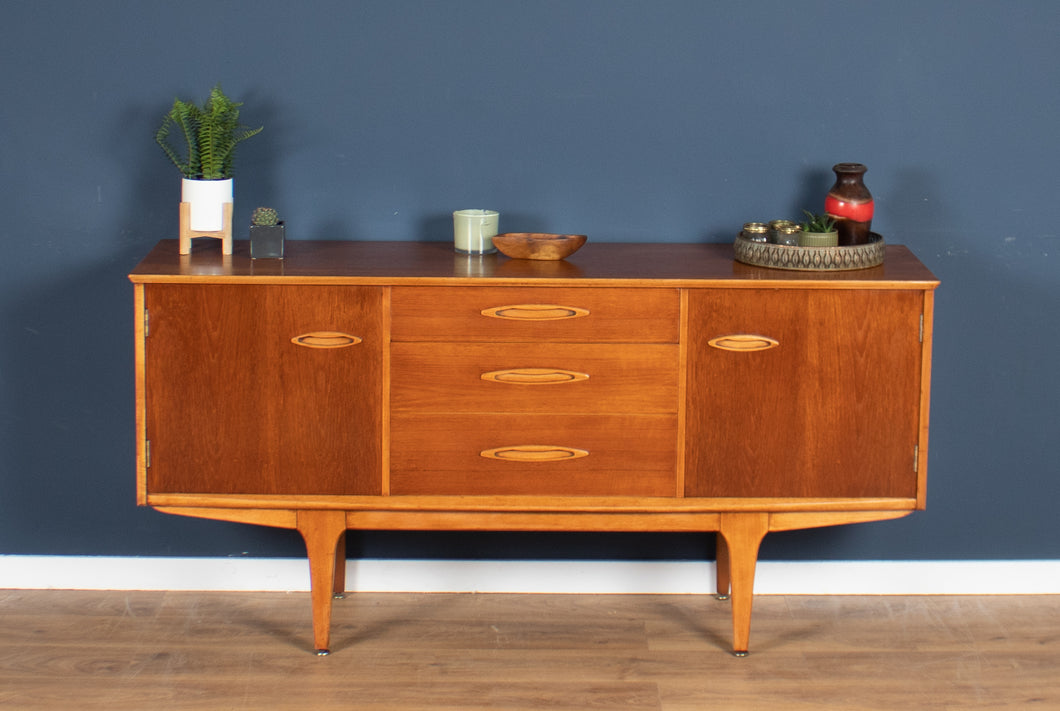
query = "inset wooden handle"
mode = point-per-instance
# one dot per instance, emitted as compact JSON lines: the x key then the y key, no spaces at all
{"x":326,"y":339}
{"x":534,"y":376}
{"x":744,"y":342}
{"x":535,"y":312}
{"x":534,"y":453}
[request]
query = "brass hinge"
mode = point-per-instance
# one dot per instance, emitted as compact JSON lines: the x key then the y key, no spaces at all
{"x":921,"y":328}
{"x":147,"y":452}
{"x":916,"y":458}
{"x":147,"y":323}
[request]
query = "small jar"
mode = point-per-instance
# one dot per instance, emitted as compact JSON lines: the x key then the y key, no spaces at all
{"x":756,"y":231}
{"x":788,"y":234}
{"x":774,"y":228}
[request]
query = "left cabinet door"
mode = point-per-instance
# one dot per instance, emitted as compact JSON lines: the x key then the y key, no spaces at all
{"x":263,"y":389}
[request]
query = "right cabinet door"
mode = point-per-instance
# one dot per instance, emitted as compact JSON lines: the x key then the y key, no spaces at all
{"x":803,"y":392}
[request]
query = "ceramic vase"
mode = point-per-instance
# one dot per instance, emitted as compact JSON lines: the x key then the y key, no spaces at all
{"x":850,"y":204}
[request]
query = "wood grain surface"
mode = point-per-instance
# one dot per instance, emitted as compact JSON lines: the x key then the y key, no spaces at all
{"x":130,"y":651}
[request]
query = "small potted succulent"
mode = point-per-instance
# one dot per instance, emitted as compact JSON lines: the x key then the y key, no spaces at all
{"x":818,"y":231}
{"x":266,"y":234}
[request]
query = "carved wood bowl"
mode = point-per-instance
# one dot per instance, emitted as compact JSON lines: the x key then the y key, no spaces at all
{"x":538,"y":245}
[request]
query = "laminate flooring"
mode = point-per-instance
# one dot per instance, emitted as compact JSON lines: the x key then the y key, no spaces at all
{"x":142,"y":651}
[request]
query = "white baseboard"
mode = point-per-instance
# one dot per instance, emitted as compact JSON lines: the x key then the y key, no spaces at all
{"x":596,"y":577}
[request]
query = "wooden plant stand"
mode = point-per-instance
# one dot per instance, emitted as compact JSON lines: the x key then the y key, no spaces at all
{"x":187,"y":234}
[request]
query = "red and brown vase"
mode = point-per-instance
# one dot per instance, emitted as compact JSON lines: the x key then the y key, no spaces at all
{"x":850,"y":204}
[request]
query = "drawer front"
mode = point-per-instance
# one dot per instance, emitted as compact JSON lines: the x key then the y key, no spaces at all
{"x":607,"y":315}
{"x":616,"y":455}
{"x":563,"y":378}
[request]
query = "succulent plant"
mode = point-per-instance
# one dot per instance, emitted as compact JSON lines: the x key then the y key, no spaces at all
{"x":817,"y":223}
{"x":263,"y":216}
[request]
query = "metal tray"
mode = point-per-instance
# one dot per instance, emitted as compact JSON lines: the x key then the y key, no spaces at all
{"x":815,"y":259}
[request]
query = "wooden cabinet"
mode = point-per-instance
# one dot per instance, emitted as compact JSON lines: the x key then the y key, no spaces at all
{"x":361,"y":385}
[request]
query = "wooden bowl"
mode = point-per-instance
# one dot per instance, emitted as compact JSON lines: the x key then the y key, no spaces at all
{"x":538,"y":245}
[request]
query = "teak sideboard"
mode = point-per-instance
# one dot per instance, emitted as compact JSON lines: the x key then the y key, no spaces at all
{"x":631,"y":387}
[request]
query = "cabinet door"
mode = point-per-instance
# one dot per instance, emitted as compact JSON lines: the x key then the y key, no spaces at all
{"x":831,"y":410}
{"x":234,"y":405}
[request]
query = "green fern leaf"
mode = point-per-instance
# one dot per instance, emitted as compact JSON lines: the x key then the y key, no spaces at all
{"x":210,"y":134}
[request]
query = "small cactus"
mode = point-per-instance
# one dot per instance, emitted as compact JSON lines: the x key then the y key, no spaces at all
{"x":264,"y":216}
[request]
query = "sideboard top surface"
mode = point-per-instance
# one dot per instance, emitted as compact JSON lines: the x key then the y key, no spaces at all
{"x":427,"y":263}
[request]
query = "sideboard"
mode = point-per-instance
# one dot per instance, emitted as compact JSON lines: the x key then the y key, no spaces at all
{"x":631,"y":387}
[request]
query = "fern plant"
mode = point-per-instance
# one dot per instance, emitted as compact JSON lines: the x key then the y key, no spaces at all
{"x":208,"y":135}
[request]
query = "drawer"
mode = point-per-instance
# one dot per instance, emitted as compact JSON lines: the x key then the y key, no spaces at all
{"x":586,"y":315}
{"x":531,"y":377}
{"x":605,"y":455}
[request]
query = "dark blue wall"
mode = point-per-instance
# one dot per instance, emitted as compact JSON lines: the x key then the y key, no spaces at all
{"x":661,"y":120}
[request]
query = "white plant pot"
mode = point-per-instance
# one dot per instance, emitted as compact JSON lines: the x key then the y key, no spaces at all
{"x":207,"y":199}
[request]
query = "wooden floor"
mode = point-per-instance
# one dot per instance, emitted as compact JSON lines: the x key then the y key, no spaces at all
{"x":142,"y":651}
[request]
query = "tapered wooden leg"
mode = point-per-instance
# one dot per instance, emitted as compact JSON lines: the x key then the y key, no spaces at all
{"x":321,"y":531}
{"x":340,"y":567}
{"x":721,"y":565}
{"x":743,"y":533}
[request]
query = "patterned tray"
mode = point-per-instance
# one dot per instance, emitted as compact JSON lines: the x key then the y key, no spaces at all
{"x":782,"y":256}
